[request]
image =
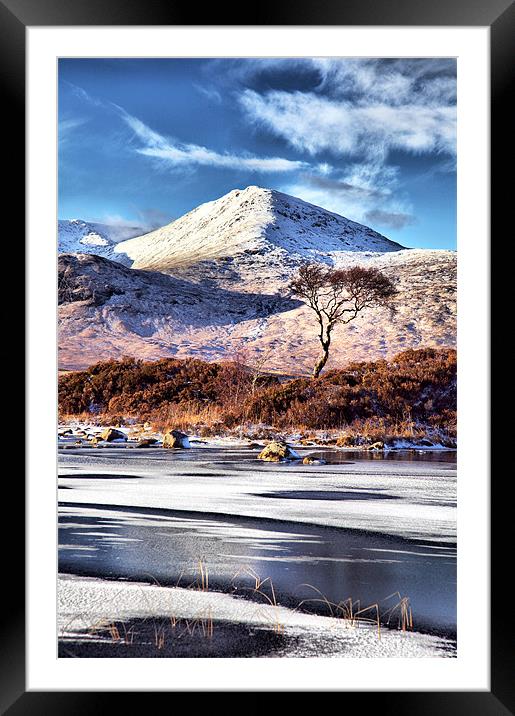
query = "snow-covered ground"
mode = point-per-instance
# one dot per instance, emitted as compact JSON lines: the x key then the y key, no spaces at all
{"x":150,"y":315}
{"x":85,"y":605}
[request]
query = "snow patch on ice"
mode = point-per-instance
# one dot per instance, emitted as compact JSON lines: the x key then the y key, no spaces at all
{"x":83,"y":603}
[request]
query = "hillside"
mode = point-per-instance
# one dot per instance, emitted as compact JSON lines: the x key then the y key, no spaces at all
{"x":108,"y":310}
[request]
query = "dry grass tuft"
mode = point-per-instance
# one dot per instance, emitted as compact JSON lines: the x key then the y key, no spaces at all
{"x":348,"y":612}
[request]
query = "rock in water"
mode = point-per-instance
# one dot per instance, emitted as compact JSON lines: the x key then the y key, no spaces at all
{"x":110,"y":434}
{"x":277,"y":451}
{"x":146,"y":442}
{"x":310,"y":460}
{"x":175,"y":439}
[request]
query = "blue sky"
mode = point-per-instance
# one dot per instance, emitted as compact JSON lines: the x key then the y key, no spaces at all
{"x":143,"y":141}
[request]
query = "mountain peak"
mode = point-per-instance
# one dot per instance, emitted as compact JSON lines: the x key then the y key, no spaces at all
{"x":251,"y":189}
{"x":252,"y":230}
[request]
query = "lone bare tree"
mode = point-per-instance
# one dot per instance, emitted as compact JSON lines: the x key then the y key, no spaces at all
{"x":338,"y":296}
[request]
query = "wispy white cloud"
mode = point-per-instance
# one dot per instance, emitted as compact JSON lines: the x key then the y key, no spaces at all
{"x":179,"y":154}
{"x":147,"y":219}
{"x":359,"y":111}
{"x":368,"y":193}
{"x":313,"y":123}
{"x":170,"y":152}
{"x":81,"y":94}
{"x":67,"y":127}
{"x":211,"y":93}
{"x":152,"y":218}
{"x":390,"y":219}
{"x":415,"y":81}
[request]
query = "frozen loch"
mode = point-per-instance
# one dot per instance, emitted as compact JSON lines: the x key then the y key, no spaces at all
{"x":210,"y":552}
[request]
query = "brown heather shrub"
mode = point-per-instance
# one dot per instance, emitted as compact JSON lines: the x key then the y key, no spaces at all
{"x":415,"y":389}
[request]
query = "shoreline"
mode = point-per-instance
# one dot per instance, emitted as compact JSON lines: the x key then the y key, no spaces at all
{"x":194,"y":623}
{"x":85,"y":431}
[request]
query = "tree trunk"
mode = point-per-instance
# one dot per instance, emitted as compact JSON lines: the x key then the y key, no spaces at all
{"x":320,"y":363}
{"x":326,"y":342}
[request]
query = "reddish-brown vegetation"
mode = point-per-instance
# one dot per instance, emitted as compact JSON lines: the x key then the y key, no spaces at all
{"x":415,"y":390}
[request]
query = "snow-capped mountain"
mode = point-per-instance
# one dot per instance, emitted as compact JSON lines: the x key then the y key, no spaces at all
{"x":214,"y":282}
{"x":250,"y":234}
{"x":77,"y":236}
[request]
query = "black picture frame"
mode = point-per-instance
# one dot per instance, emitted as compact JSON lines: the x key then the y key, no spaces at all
{"x":499,"y":16}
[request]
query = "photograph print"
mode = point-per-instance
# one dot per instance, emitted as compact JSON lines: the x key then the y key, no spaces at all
{"x":257,"y":357}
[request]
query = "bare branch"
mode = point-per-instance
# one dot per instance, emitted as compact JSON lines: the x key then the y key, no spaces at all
{"x":338,"y":296}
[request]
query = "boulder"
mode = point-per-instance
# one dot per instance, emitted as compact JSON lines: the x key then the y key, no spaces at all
{"x":309,"y":460}
{"x":277,"y":452}
{"x":110,"y":434}
{"x":146,"y":442}
{"x":175,"y":439}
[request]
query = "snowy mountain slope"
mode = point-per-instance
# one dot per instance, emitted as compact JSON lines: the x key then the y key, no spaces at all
{"x":248,"y":235}
{"x":77,"y":236}
{"x":108,"y":311}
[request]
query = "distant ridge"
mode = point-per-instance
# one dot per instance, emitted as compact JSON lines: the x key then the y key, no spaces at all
{"x":86,"y":237}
